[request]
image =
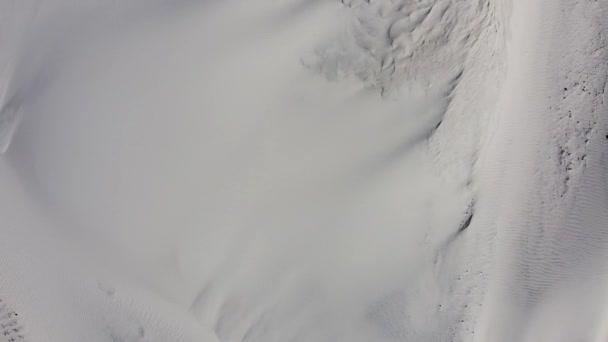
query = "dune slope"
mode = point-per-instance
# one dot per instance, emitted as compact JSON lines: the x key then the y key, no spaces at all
{"x":306,"y":171}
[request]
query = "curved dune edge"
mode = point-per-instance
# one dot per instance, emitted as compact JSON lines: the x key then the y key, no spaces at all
{"x":403,"y":171}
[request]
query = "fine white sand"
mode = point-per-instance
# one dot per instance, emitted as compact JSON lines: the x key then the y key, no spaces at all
{"x":303,"y":170}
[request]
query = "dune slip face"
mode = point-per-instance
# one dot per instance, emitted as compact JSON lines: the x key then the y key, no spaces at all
{"x":303,"y":170}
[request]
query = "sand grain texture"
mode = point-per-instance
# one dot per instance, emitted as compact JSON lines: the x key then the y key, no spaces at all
{"x":303,"y":171}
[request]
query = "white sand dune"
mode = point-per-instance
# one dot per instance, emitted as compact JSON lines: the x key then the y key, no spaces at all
{"x":303,"y":170}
